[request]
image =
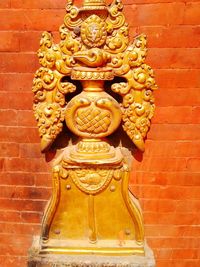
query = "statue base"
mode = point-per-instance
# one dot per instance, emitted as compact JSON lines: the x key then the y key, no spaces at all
{"x":35,"y":259}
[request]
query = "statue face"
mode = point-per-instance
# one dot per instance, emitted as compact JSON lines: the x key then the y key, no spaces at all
{"x":93,"y":32}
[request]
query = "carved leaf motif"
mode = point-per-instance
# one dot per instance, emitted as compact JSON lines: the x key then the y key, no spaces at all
{"x":138,"y":101}
{"x":118,"y":41}
{"x":116,"y":18}
{"x":48,"y":87}
{"x":49,"y":104}
{"x":46,"y":54}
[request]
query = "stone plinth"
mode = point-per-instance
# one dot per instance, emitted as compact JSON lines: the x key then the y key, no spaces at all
{"x":36,"y":259}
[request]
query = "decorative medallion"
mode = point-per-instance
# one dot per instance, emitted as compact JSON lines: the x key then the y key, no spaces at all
{"x":93,"y":120}
{"x":93,"y":31}
{"x":91,"y":181}
{"x":92,"y":115}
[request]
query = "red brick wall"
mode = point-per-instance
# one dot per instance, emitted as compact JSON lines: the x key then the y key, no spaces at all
{"x":167,"y":177}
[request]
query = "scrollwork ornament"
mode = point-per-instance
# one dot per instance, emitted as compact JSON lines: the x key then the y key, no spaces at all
{"x":116,"y":18}
{"x":49,"y":103}
{"x":95,"y":46}
{"x":138,"y":102}
{"x":46,"y":53}
{"x":72,"y":18}
{"x":49,"y":117}
{"x":118,"y":41}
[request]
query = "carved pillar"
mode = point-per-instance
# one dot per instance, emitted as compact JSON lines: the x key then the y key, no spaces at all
{"x":92,"y":215}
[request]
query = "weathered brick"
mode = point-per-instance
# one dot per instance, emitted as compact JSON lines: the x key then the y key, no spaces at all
{"x":26,"y":118}
{"x":172,"y":148}
{"x":18,"y":228}
{"x":15,"y":82}
{"x":174,"y":132}
{"x":17,"y":178}
{"x":193,"y":164}
{"x":22,"y":205}
{"x":34,"y":4}
{"x":155,"y":13}
{"x":9,"y":150}
{"x":176,"y":79}
{"x":178,"y":97}
{"x":171,"y":36}
{"x":28,"y":164}
{"x":9,"y":42}
{"x":161,"y":164}
{"x":30,"y":151}
{"x":24,"y":19}
{"x":16,"y":100}
{"x":174,"y":58}
{"x":5,"y":3}
{"x":191,"y":13}
{"x":8,"y":261}
{"x":8,"y":117}
{"x":174,"y":115}
{"x":22,"y":135}
{"x":19,"y":192}
{"x":163,"y":178}
{"x":18,"y":62}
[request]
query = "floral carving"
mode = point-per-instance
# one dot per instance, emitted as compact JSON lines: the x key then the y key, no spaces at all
{"x":94,"y":47}
{"x":49,"y":104}
{"x":138,"y":101}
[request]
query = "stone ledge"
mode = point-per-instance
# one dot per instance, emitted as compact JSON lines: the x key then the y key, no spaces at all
{"x":60,"y":260}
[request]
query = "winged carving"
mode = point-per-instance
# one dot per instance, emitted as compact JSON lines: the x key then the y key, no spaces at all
{"x":137,"y":92}
{"x":98,"y":40}
{"x":49,"y":91}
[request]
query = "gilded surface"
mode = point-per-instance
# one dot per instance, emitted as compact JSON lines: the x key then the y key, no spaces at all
{"x":91,"y":37}
{"x":91,"y":209}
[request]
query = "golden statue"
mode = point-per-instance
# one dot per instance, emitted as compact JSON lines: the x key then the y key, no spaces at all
{"x":91,"y":211}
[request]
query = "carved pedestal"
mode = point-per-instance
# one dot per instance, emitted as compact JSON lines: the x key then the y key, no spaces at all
{"x":91,"y":211}
{"x":92,"y":219}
